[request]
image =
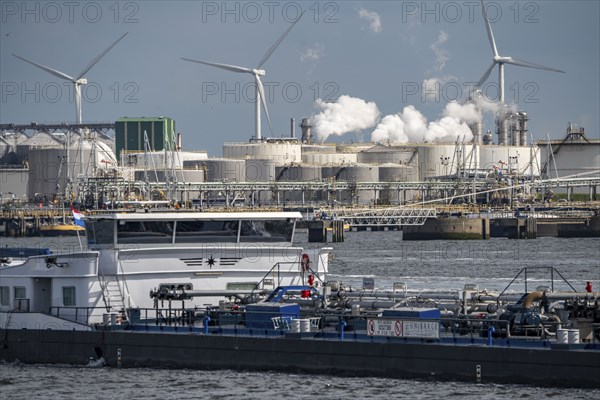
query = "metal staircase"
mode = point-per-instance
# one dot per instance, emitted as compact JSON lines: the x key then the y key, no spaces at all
{"x":112,"y":293}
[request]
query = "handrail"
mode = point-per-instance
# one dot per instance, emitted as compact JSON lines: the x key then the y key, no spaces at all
{"x":525,"y":269}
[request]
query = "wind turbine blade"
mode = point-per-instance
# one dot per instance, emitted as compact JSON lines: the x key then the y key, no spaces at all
{"x":232,"y":68}
{"x":95,"y":60}
{"x":489,"y":30}
{"x":278,"y":42}
{"x":486,"y":75}
{"x":47,"y":69}
{"x":522,"y":63}
{"x":263,"y":99}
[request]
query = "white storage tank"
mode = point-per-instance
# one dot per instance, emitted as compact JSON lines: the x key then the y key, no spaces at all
{"x":328,"y":158}
{"x":398,"y":173}
{"x":219,"y":169}
{"x":440,"y":159}
{"x":299,"y":173}
{"x":353,"y":173}
{"x":48,"y":166}
{"x":260,"y":170}
{"x":380,"y":154}
{"x":497,"y":157}
{"x":280,"y":152}
{"x":318,"y":148}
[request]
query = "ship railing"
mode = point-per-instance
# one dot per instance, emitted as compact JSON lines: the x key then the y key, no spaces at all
{"x":76,"y":314}
{"x":234,"y":321}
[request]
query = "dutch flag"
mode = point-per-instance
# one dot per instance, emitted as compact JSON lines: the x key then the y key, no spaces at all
{"x":78,"y":217}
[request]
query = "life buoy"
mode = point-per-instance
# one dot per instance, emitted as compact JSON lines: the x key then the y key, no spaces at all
{"x":305,"y":262}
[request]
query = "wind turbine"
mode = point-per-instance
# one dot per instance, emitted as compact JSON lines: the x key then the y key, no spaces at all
{"x":257,"y":72}
{"x":79,"y":80}
{"x":500,"y":60}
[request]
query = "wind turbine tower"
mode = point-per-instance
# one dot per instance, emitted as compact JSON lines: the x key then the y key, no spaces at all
{"x":77,"y":81}
{"x":502,"y":60}
{"x":257,"y":73}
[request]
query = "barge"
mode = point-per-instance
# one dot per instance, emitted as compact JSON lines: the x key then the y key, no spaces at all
{"x":145,"y":293}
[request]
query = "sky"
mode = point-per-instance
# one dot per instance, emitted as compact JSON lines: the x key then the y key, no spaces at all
{"x":379,"y":56}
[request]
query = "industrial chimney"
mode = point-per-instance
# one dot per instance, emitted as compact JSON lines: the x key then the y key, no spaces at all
{"x":306,"y":127}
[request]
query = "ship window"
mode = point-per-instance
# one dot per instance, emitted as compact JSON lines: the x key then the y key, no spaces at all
{"x":100,"y":232}
{"x":68,"y":296}
{"x":4,"y":296}
{"x":242,"y":285}
{"x":206,"y":231}
{"x":266,"y":231}
{"x":20,"y":292}
{"x":145,"y":232}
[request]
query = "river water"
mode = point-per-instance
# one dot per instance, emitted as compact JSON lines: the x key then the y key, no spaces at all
{"x":383,"y":256}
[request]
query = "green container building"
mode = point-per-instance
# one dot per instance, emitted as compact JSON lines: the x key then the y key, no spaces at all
{"x":129,"y":133}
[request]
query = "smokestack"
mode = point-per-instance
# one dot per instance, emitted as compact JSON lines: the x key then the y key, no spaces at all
{"x":477,"y":129}
{"x":523,"y":128}
{"x":293,"y":128}
{"x":502,"y":128}
{"x":178,"y":141}
{"x":306,"y":127}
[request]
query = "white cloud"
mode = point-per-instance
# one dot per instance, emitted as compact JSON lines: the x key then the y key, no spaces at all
{"x":372,"y":19}
{"x":312,"y":54}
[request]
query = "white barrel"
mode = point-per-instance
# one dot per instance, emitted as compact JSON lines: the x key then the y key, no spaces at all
{"x":573,"y":336}
{"x":295,"y":328}
{"x":562,"y":336}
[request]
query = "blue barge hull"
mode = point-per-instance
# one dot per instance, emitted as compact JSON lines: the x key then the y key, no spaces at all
{"x":552,"y":365}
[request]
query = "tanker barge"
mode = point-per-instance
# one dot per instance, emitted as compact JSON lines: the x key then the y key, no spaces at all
{"x":199,"y":290}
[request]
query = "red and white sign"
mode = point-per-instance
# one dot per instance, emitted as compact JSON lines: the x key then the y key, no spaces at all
{"x":403,"y":328}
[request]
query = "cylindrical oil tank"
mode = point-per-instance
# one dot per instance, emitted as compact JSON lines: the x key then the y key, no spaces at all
{"x":357,"y":173}
{"x":260,"y":170}
{"x":299,"y":173}
{"x":396,"y":173}
{"x":318,"y":148}
{"x":328,"y":158}
{"x":444,"y":159}
{"x":219,"y":169}
{"x":514,"y":159}
{"x":386,"y":154}
{"x":280,"y":152}
{"x":360,"y":173}
{"x":48,"y":168}
{"x":47,"y":171}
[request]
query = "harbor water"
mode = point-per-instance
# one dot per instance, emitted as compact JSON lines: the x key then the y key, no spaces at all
{"x":382,"y":256}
